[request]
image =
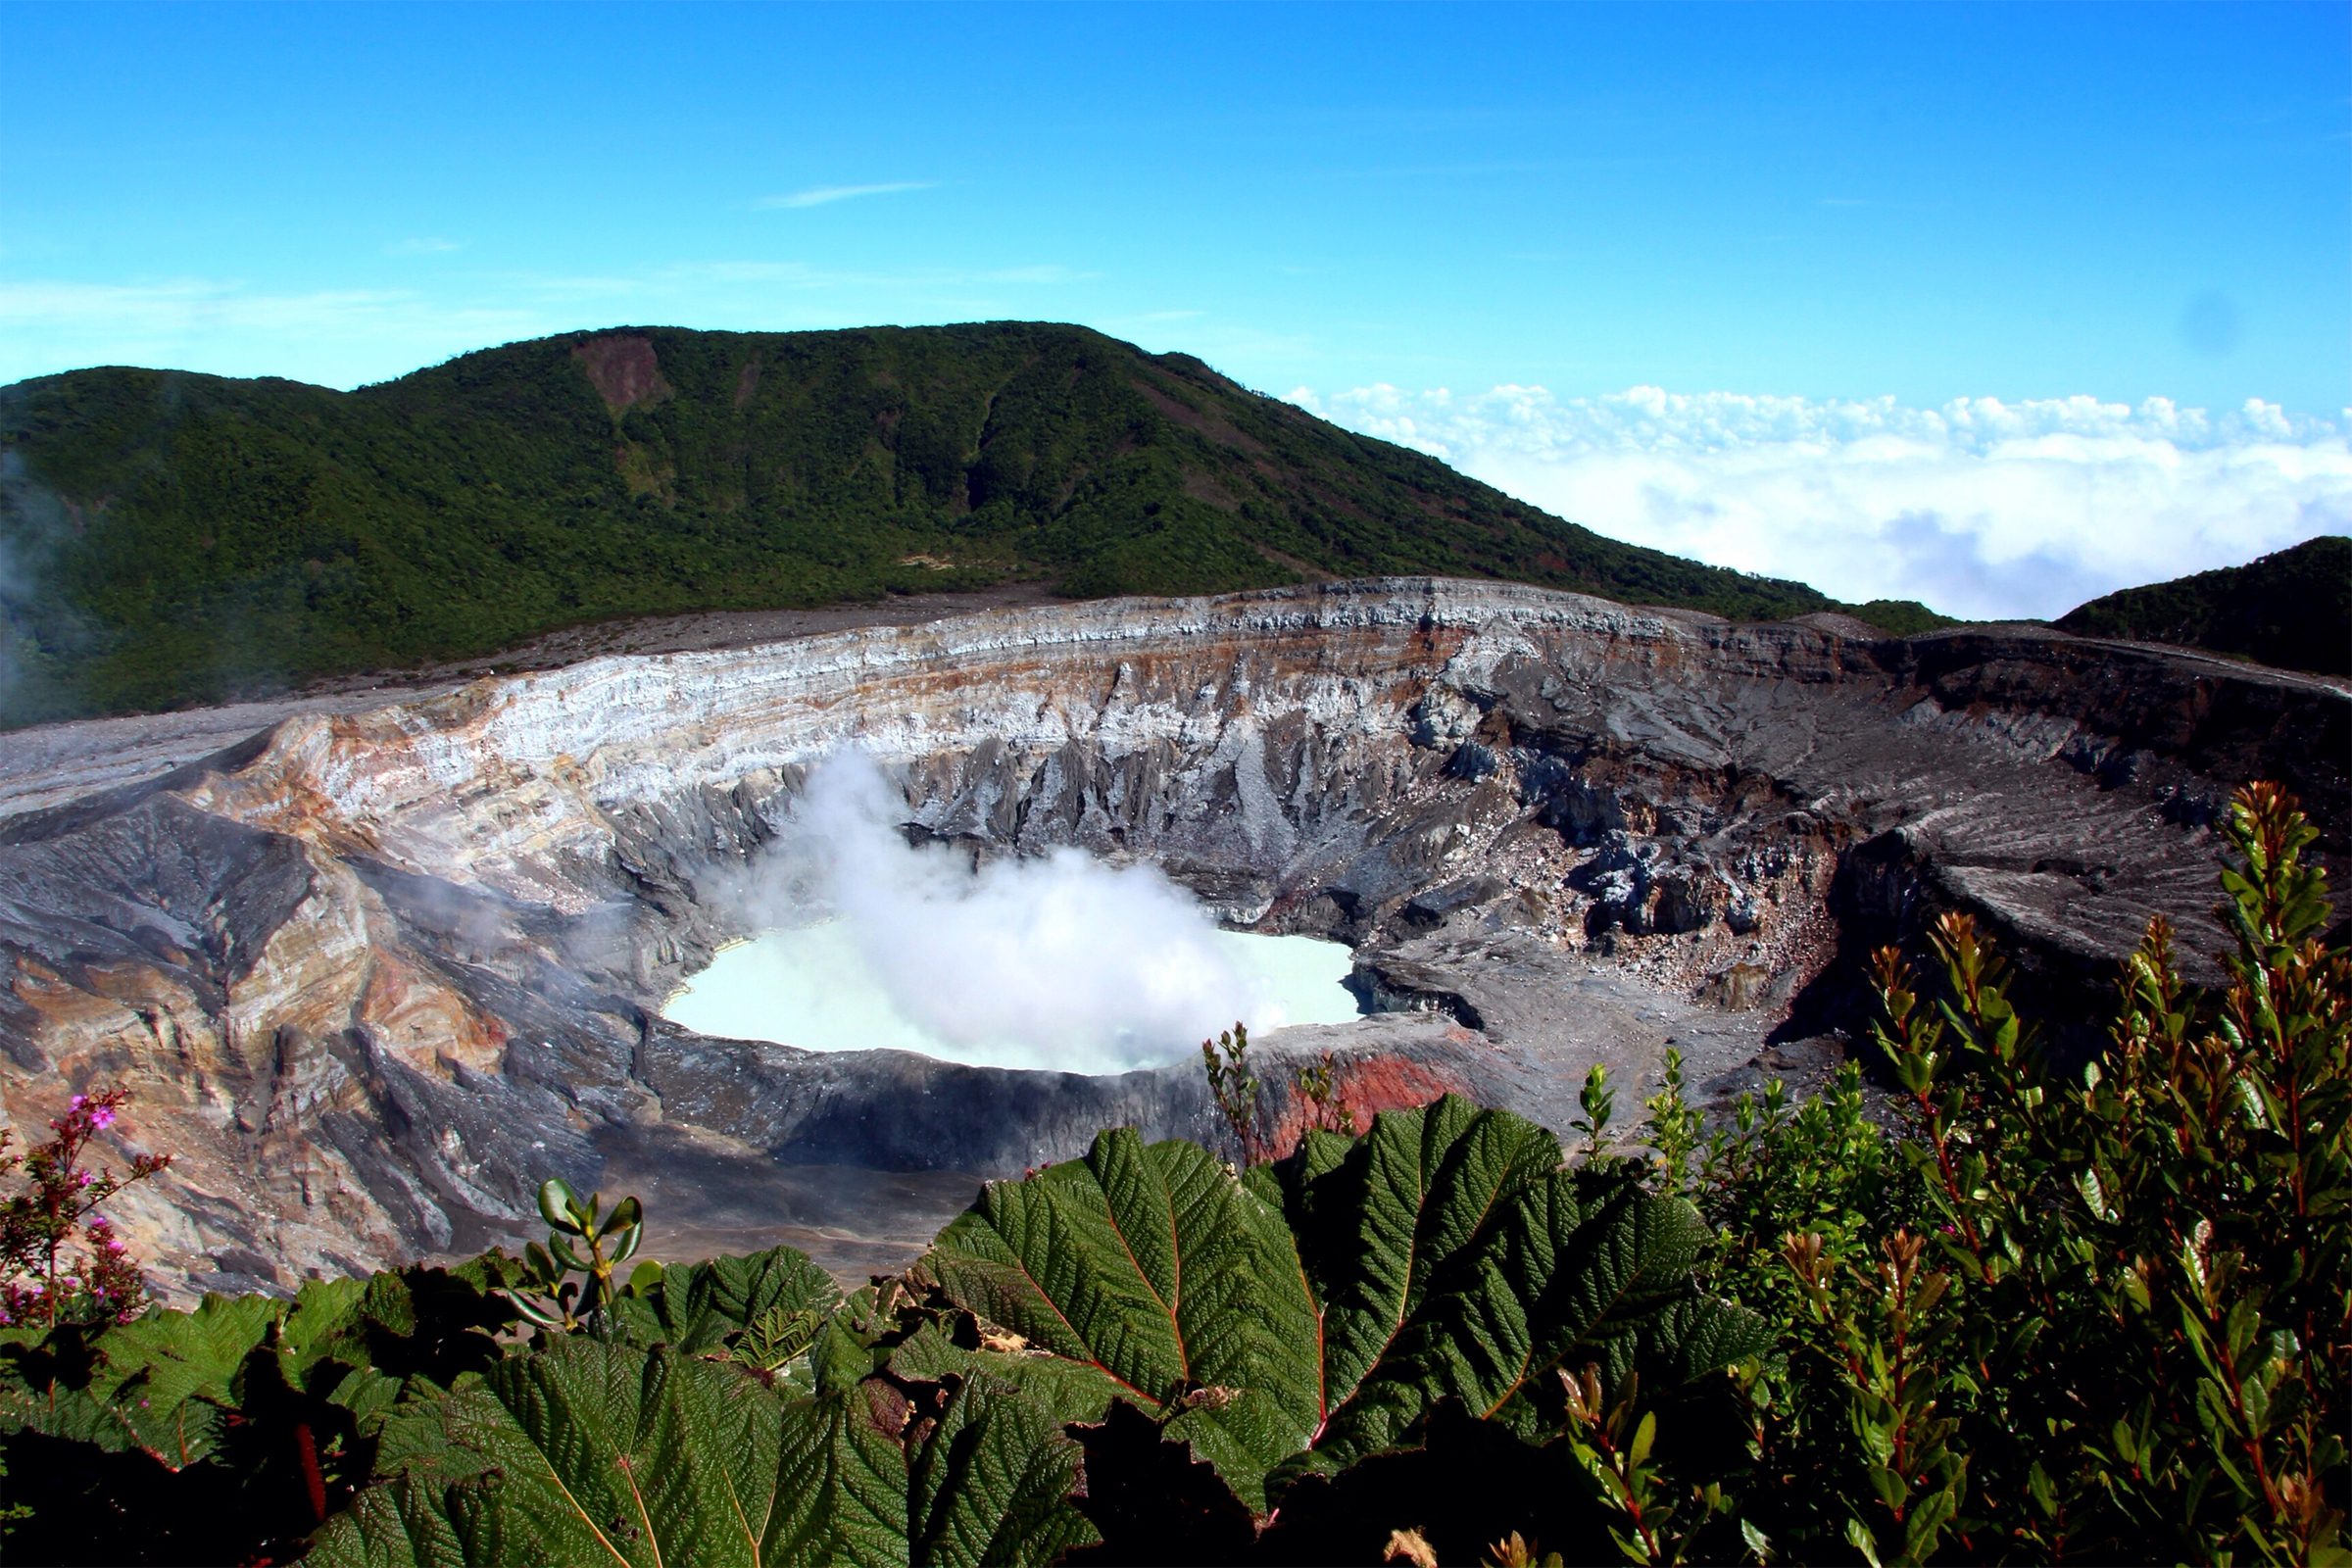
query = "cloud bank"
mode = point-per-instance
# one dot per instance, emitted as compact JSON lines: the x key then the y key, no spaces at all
{"x":1981,"y":508}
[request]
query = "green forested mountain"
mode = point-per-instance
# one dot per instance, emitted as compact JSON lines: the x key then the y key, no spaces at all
{"x":2292,"y":609}
{"x":169,"y":537}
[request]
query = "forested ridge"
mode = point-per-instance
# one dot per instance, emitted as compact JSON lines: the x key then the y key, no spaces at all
{"x":2292,"y":609}
{"x":169,"y":537}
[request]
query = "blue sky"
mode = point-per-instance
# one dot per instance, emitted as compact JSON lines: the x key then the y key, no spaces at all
{"x":1832,"y":204}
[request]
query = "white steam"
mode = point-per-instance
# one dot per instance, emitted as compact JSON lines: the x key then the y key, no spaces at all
{"x":1060,"y":961}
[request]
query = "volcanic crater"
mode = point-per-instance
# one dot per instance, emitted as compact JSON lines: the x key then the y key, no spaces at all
{"x":375,"y":965}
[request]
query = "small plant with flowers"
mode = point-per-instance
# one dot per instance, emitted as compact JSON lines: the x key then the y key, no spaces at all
{"x":61,"y":1261}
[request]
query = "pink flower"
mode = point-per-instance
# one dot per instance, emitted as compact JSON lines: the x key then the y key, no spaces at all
{"x":82,"y":1178}
{"x":102,"y":1116}
{"x":80,"y":1101}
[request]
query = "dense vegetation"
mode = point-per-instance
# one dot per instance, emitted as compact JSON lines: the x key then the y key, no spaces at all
{"x":2102,"y":1315}
{"x":1195,"y":1343}
{"x":169,"y":537}
{"x":2292,"y":609}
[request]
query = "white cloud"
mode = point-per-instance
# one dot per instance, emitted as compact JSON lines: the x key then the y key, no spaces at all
{"x":422,"y":245}
{"x":821,"y":195}
{"x":1982,"y":507}
{"x":676,"y":276}
{"x":1047,"y":273}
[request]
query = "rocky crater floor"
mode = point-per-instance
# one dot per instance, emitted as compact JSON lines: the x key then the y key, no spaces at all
{"x":377,"y":964}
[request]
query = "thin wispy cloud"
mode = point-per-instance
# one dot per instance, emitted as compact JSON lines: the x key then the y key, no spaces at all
{"x":1452,"y":171}
{"x":349,"y":335}
{"x":1980,"y":507}
{"x":175,"y":305}
{"x":800,"y":275}
{"x":229,"y":328}
{"x":825,"y":195}
{"x":1044,"y":272}
{"x":423,"y":245}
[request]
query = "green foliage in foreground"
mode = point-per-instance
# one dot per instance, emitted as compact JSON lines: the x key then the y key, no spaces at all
{"x":1144,"y":1312}
{"x":173,"y":538}
{"x":2097,"y":1314}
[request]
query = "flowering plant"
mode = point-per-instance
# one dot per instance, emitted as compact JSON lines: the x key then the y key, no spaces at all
{"x":44,"y":1279}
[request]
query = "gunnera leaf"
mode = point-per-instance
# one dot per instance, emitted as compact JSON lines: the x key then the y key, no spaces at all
{"x":1177,"y":1286}
{"x":694,"y":1307}
{"x":1308,"y":1316}
{"x":163,"y":1384}
{"x":584,"y":1453}
{"x":1403,"y":1214}
{"x":590,"y":1452}
{"x":1561,"y":1281}
{"x":991,"y":1483}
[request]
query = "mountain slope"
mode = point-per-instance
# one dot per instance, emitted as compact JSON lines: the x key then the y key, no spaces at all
{"x":2292,"y":609}
{"x":169,"y":537}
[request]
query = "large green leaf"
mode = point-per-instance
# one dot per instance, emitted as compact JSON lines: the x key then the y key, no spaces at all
{"x":163,"y":1384}
{"x":1406,"y":1209}
{"x":843,"y":1485}
{"x":1565,"y":1279}
{"x":581,"y":1454}
{"x":1072,"y":1391}
{"x":590,"y":1452}
{"x":991,"y":1483}
{"x":1176,"y":1285}
{"x":1311,"y":1316}
{"x":696,"y":1306}
{"x":169,"y":1383}
{"x":986,"y":1480}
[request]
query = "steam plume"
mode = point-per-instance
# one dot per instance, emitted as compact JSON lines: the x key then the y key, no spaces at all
{"x":1080,"y":965}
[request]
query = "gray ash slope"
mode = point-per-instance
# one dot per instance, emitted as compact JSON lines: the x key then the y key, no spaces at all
{"x":376,"y":970}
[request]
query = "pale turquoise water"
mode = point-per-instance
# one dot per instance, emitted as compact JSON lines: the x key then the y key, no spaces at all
{"x":810,"y":987}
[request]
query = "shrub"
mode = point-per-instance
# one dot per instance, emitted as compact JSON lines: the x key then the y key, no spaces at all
{"x":2101,"y":1313}
{"x":43,"y":1280}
